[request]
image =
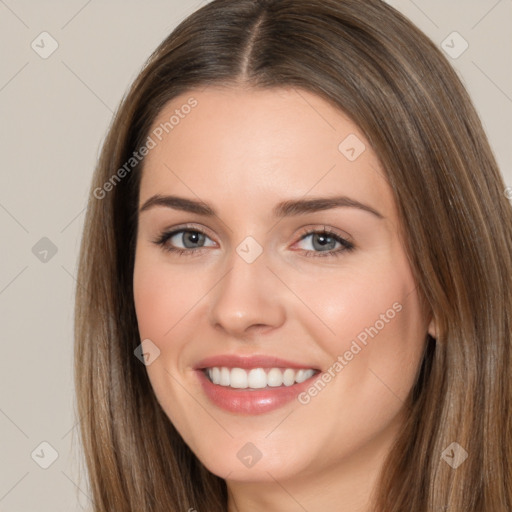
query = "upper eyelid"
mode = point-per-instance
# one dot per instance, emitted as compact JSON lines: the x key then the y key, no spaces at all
{"x":187,"y":227}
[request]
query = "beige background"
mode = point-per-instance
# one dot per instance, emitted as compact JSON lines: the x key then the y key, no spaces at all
{"x":55,"y":113}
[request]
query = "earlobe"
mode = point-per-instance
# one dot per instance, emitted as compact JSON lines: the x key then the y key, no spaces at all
{"x":432,"y":328}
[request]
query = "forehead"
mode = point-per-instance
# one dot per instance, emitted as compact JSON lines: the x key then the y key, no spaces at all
{"x":219,"y":143}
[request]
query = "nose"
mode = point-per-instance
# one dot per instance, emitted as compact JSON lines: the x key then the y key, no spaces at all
{"x":249,"y":299}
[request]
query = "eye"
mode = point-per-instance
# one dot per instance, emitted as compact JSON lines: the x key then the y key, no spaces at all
{"x":324,"y":242}
{"x":193,"y":240}
{"x":190,"y":238}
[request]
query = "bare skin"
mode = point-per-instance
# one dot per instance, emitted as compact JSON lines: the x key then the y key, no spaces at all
{"x":243,"y":151}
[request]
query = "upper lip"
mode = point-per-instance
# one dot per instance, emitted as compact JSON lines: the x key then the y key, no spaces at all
{"x":252,"y":361}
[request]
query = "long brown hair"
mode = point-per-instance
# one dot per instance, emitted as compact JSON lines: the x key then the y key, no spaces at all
{"x":368,"y":60}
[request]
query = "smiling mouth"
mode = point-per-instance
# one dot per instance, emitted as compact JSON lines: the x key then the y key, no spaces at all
{"x":257,"y":378}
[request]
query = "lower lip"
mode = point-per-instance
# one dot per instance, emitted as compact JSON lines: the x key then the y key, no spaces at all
{"x":251,"y":401}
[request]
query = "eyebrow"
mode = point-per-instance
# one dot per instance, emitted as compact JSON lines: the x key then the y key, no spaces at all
{"x":287,"y":208}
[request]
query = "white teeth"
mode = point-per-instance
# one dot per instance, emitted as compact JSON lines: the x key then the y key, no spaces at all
{"x":302,"y":375}
{"x":257,"y":378}
{"x":224,"y":377}
{"x":238,"y":378}
{"x":275,"y":378}
{"x":288,"y":377}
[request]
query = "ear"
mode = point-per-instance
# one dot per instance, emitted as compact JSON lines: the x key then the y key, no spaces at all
{"x":432,"y":328}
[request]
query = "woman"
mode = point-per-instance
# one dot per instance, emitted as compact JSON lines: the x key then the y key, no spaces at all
{"x":258,"y":371}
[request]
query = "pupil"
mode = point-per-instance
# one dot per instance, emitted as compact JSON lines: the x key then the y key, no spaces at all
{"x":323,"y":240}
{"x":193,"y":235}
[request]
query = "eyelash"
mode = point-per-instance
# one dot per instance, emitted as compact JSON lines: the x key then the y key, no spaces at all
{"x":346,"y":245}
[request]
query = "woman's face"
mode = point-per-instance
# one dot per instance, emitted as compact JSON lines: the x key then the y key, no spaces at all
{"x":286,"y":256}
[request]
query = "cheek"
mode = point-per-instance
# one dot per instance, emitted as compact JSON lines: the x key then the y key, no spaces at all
{"x":369,"y":322}
{"x":162,"y":297}
{"x":344,"y":306}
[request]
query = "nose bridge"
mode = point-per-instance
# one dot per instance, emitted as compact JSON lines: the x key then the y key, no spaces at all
{"x":247,"y":295}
